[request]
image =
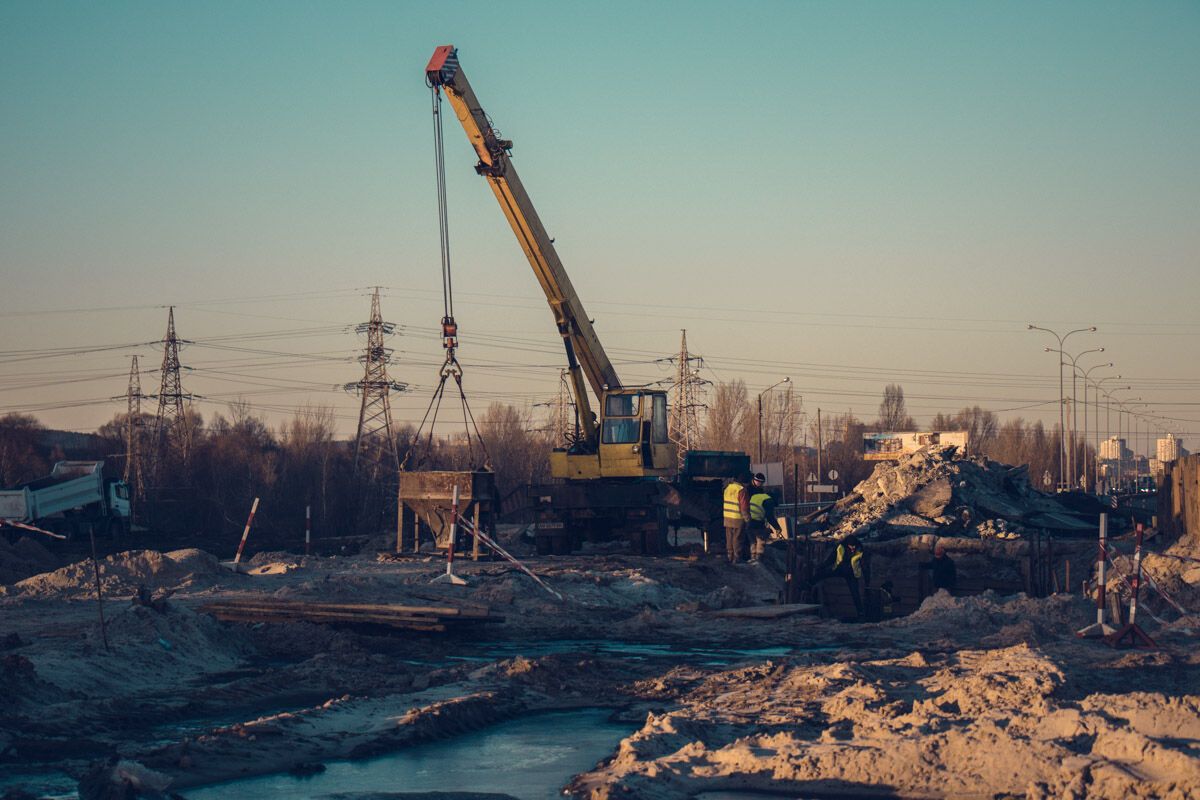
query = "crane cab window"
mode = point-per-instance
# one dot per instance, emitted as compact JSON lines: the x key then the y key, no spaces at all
{"x":658,"y":422}
{"x":622,"y":405}
{"x":621,"y":422}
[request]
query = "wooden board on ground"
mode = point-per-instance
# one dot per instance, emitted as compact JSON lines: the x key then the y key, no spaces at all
{"x":769,"y":612}
{"x":418,"y":618}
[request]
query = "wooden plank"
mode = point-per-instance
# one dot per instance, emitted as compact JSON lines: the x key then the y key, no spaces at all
{"x":468,"y":612}
{"x":263,"y":611}
{"x":316,"y":612}
{"x":769,"y":612}
{"x":255,"y":616}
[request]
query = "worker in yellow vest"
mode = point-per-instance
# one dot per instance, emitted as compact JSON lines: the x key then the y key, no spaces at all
{"x":762,"y":517}
{"x":737,"y":515}
{"x":846,"y":561}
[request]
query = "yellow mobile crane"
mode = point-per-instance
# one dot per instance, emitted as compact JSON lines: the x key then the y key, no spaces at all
{"x":628,"y":440}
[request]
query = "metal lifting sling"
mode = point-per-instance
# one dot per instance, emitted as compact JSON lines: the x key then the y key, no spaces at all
{"x":451,"y":368}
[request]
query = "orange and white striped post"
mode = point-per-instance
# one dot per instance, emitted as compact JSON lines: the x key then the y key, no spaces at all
{"x":246,"y":533}
{"x":449,"y":576}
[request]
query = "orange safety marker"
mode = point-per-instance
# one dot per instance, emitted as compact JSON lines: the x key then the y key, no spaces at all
{"x":449,"y":576}
{"x":246,"y":533}
{"x":1132,"y":635}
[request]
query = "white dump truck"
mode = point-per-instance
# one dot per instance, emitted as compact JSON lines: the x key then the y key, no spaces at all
{"x":71,"y":498}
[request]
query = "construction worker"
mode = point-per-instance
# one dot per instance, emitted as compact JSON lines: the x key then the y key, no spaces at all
{"x":737,"y":515}
{"x":942,"y":570}
{"x":762,"y":517}
{"x":847,"y":562}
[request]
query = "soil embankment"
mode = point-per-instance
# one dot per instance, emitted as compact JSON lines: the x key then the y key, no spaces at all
{"x":984,"y":695}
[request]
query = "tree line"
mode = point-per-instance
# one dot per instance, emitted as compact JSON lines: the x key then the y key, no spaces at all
{"x":201,"y":485}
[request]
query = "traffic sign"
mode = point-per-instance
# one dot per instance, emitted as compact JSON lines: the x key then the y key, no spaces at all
{"x":1046,"y":479}
{"x":822,"y":488}
{"x":812,"y":477}
{"x":833,"y":474}
{"x":1113,"y":501}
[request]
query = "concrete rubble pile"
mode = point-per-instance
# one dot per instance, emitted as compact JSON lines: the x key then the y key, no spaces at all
{"x":938,"y":492}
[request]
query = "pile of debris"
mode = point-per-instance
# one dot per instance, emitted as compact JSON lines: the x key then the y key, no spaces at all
{"x":936,"y":491}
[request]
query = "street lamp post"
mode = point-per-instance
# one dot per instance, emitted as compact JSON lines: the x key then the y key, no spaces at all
{"x":1107,"y":420}
{"x":1062,"y":423}
{"x":760,"y":415}
{"x":1133,"y":454}
{"x":1062,"y":355}
{"x":1086,"y":373}
{"x":1108,"y":423}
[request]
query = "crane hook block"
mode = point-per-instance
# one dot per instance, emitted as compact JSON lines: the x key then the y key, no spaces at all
{"x":449,"y":333}
{"x":442,"y":68}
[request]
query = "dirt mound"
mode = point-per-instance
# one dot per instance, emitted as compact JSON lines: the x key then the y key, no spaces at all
{"x":23,"y":558}
{"x":966,"y":723}
{"x":1057,"y":615}
{"x":122,"y":573}
{"x":935,"y":491}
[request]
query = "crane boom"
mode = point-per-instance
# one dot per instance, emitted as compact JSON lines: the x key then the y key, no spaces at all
{"x":584,"y":352}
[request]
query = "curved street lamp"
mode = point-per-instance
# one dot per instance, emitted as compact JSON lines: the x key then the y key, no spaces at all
{"x":1062,"y":422}
{"x":1062,"y":355}
{"x":760,"y":397}
{"x":1098,"y":384}
{"x":1086,"y":375}
{"x":1124,"y":408}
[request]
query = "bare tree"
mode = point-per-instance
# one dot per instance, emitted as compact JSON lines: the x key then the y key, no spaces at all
{"x":730,"y":423}
{"x":20,"y":461}
{"x":893,"y":414}
{"x":519,"y":454}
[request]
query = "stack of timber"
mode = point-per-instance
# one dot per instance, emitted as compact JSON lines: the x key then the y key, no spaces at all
{"x":413,"y":618}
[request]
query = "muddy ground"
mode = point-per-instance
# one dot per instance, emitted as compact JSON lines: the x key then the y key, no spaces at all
{"x":981,"y":696}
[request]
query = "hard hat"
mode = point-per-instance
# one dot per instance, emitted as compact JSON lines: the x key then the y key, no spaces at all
{"x":759,"y":477}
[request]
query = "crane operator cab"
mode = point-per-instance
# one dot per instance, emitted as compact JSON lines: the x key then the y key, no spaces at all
{"x":633,"y":440}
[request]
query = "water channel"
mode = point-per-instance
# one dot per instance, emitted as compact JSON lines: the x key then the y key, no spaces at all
{"x":530,"y":758}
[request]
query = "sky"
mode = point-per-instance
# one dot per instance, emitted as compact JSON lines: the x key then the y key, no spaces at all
{"x":846,"y":194}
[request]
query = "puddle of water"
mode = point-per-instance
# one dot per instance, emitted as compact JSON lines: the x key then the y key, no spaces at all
{"x":531,"y":758}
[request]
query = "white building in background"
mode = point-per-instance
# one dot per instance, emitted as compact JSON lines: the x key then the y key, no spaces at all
{"x":1168,"y":449}
{"x":1113,"y":449}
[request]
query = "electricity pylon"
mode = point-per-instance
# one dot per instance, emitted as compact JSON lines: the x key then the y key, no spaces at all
{"x":375,"y":451}
{"x":133,"y":435}
{"x":684,"y":421}
{"x":170,"y":424}
{"x":566,"y":426}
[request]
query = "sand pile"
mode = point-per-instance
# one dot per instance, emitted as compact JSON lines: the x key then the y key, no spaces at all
{"x":922,"y":725}
{"x":122,"y":573}
{"x":23,"y":558}
{"x":934,"y":491}
{"x":998,"y":620}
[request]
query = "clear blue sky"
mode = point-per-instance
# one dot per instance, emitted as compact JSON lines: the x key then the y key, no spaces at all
{"x":896,"y":188}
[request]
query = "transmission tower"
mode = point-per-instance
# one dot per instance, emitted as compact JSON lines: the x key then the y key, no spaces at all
{"x":375,"y":445}
{"x":170,"y":423}
{"x":133,"y":434}
{"x":684,"y":427}
{"x":564,"y":423}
